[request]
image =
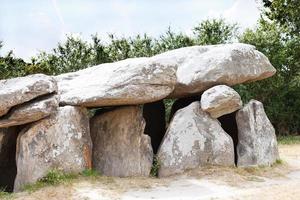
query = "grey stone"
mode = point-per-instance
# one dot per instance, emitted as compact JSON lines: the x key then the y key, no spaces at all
{"x":128,"y":82}
{"x":220,"y":100}
{"x":257,"y":144}
{"x":60,"y":142}
{"x":194,"y":139}
{"x":30,"y":111}
{"x":120,"y":147}
{"x":16,"y":91}
{"x":201,"y":67}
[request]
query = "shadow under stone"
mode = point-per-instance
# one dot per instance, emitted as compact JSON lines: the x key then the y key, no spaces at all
{"x":228,"y":123}
{"x":8,"y":168}
{"x":183,"y":102}
{"x":154,"y":115}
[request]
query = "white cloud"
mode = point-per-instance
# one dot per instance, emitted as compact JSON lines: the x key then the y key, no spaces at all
{"x":244,"y":12}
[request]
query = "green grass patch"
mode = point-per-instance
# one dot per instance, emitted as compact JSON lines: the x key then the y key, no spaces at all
{"x":291,"y":139}
{"x":155,"y":167}
{"x":5,"y":195}
{"x":53,"y":177}
{"x":90,"y":173}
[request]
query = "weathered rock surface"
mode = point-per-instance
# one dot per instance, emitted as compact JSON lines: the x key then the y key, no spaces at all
{"x":154,"y":115}
{"x":257,"y":143}
{"x":120,"y":147}
{"x":16,"y":91}
{"x":61,"y":142}
{"x":201,"y":67}
{"x":220,"y":100}
{"x":8,"y":169}
{"x":30,"y":111}
{"x":194,"y":139}
{"x":128,"y":82}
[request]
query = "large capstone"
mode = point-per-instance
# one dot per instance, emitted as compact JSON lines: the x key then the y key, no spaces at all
{"x":220,"y":100}
{"x":154,"y":115}
{"x":257,"y":144}
{"x":128,"y":82}
{"x":194,"y":139}
{"x":16,"y":91}
{"x":8,"y":169}
{"x":31,"y":111}
{"x":120,"y":147}
{"x":201,"y":67}
{"x":61,"y":142}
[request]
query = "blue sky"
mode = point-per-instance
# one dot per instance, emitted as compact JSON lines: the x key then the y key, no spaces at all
{"x":27,"y":26}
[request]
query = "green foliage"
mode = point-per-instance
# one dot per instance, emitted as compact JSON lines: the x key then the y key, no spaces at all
{"x":285,"y":12}
{"x":280,"y":93}
{"x":215,"y":31}
{"x":11,"y":66}
{"x":278,"y":162}
{"x":90,"y":173}
{"x":5,"y":195}
{"x":53,"y":177}
{"x":155,"y":167}
{"x":289,"y":139}
{"x":171,"y":40}
{"x":168,"y":106}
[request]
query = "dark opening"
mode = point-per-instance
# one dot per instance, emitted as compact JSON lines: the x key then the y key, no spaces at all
{"x":8,"y":167}
{"x":183,"y":102}
{"x":228,"y":123}
{"x":154,"y":115}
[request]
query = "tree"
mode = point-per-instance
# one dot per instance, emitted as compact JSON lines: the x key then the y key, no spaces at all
{"x":215,"y":31}
{"x":11,"y":66}
{"x":280,"y":93}
{"x":171,"y":40}
{"x":285,"y":12}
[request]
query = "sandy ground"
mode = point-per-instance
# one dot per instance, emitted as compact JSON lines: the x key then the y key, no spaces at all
{"x":277,"y":182}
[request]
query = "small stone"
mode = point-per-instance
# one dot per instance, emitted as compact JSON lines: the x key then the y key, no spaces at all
{"x":220,"y":100}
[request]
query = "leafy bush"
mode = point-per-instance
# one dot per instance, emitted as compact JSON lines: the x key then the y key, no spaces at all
{"x":155,"y":167}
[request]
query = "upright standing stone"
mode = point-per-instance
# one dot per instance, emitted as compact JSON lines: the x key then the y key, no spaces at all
{"x":257,"y":143}
{"x":16,"y":91}
{"x":61,"y":142}
{"x":120,"y":147}
{"x":194,"y":139}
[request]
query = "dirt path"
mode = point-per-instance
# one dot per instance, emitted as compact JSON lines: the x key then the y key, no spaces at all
{"x":279,"y":182}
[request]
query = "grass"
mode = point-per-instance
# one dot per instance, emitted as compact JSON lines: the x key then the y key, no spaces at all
{"x":90,"y":173}
{"x":5,"y":195}
{"x":56,"y":177}
{"x":155,"y":167}
{"x":288,"y":140}
{"x":278,"y":162}
{"x":53,"y":177}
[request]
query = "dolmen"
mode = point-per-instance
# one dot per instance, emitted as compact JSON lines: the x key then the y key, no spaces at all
{"x":112,"y":117}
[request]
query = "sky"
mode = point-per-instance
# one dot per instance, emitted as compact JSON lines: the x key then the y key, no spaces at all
{"x":28,"y":27}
